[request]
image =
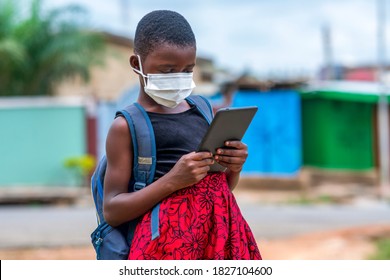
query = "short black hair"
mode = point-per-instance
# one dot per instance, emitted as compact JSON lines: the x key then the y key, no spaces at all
{"x":162,"y":26}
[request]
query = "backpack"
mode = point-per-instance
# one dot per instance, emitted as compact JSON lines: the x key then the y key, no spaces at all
{"x":113,"y":243}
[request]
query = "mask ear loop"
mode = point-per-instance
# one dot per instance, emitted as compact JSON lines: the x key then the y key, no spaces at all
{"x":140,"y":72}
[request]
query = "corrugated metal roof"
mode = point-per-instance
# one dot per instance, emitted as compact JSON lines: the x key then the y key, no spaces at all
{"x":346,"y":90}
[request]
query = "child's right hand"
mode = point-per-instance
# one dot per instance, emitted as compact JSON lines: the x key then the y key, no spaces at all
{"x":190,"y":169}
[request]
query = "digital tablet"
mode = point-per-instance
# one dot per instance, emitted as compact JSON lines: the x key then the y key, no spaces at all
{"x":228,"y":124}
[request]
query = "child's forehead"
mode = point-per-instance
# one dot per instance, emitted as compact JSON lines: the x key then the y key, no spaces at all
{"x":169,"y":52}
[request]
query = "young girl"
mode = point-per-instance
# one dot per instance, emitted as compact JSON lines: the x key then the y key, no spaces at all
{"x":199,"y":217}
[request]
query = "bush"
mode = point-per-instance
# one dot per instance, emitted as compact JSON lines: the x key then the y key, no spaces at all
{"x":81,"y":166}
{"x":383,"y":250}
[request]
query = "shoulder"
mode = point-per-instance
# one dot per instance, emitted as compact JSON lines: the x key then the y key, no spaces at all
{"x":119,"y":131}
{"x":119,"y":146}
{"x":119,"y":125}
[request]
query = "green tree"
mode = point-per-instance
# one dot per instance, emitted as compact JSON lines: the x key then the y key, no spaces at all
{"x":43,"y":48}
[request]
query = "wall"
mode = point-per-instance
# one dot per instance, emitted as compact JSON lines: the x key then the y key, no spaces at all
{"x":274,"y":136}
{"x":107,"y":81}
{"x":337,"y":134}
{"x":36,"y":136}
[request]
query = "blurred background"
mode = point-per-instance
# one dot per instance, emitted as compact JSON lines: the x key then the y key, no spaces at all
{"x":318,"y":167}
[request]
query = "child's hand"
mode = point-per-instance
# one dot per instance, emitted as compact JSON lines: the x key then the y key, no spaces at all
{"x":190,"y":169}
{"x":234,"y":158}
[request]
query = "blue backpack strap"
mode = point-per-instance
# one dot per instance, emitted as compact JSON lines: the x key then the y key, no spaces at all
{"x":97,"y":181}
{"x":144,"y":148}
{"x":202,"y":105}
{"x":144,"y":145}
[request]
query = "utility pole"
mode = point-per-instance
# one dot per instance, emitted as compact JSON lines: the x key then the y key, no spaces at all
{"x":124,"y":10}
{"x":327,"y":49}
{"x":383,"y":114}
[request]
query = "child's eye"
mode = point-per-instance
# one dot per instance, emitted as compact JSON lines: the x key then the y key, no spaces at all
{"x":172,"y":70}
{"x":189,"y":69}
{"x":166,"y":70}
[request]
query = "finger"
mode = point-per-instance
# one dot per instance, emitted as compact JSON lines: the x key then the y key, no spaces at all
{"x":202,"y":172}
{"x":228,"y":164}
{"x":229,"y":159}
{"x":205,"y":169}
{"x":233,"y":167}
{"x":232,"y":152}
{"x":236,"y":144}
{"x":201,"y":155}
{"x":206,"y":162}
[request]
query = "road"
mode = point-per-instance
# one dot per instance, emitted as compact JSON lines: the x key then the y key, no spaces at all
{"x":47,"y":226}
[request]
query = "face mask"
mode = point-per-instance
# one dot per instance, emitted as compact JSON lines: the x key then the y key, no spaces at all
{"x":167,"y":89}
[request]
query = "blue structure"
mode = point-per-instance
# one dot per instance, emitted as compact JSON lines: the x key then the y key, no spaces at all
{"x":274,"y":136}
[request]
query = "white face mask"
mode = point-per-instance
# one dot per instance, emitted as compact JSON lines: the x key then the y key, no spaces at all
{"x":167,"y":89}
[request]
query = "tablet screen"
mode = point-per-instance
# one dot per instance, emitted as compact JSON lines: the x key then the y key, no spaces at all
{"x":228,"y":124}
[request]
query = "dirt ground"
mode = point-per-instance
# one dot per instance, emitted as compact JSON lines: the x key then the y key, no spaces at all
{"x":356,"y":243}
{"x":348,"y":244}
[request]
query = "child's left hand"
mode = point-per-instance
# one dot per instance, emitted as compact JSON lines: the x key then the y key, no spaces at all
{"x":233,"y":158}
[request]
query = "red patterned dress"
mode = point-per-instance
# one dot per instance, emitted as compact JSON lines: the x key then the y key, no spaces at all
{"x":199,"y":222}
{"x":202,"y":221}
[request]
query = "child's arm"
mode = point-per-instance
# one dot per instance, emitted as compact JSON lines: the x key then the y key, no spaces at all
{"x":233,"y":159}
{"x":120,"y":205}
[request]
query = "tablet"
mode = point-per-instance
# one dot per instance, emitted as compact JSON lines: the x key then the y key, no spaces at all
{"x":228,"y":124}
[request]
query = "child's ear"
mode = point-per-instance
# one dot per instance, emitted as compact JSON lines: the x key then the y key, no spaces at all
{"x":134,"y":63}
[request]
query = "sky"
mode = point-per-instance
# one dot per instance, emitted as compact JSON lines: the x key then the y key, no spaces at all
{"x":265,"y":37}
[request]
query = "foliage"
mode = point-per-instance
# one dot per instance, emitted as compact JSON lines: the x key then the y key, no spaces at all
{"x":41,"y":49}
{"x":82,"y":167}
{"x":84,"y":164}
{"x":383,"y":249}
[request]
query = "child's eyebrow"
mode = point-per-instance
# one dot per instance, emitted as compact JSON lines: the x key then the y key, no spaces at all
{"x":173,"y":65}
{"x":167,"y":65}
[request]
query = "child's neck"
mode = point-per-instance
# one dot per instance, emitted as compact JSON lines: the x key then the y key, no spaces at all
{"x":151,"y":106}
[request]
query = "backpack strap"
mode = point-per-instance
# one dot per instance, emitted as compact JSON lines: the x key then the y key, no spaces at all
{"x":202,"y":105}
{"x":144,"y":145}
{"x":97,"y":188}
{"x":144,"y":149}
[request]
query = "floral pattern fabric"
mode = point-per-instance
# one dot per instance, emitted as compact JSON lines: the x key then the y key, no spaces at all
{"x":202,"y":221}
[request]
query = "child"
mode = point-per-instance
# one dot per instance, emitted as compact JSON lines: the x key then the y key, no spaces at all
{"x":199,"y":217}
